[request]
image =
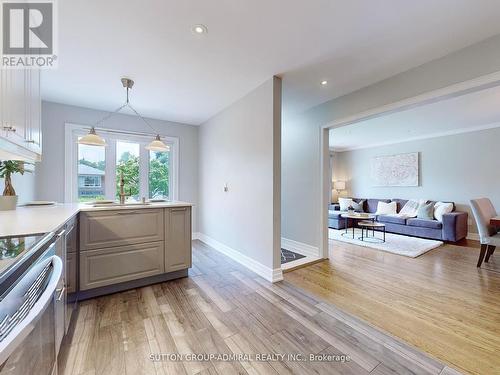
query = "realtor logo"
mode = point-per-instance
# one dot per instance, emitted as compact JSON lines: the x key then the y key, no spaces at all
{"x":28,"y":34}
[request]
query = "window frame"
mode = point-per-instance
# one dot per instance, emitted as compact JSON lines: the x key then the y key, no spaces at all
{"x":73,"y":131}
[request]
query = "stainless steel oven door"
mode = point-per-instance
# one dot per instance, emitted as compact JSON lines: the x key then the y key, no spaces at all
{"x":29,"y":347}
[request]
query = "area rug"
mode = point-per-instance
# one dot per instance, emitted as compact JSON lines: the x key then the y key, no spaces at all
{"x":394,"y":243}
{"x":288,"y":256}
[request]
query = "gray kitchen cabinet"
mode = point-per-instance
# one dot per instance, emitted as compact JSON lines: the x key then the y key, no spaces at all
{"x":177,"y":238}
{"x":114,"y":265}
{"x":102,"y":229}
{"x":71,"y":262}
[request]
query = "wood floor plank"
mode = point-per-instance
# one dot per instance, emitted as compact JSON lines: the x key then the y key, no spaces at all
{"x":224,"y":308}
{"x":439,"y":302}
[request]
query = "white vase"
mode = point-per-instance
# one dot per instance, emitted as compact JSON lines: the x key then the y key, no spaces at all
{"x":8,"y":202}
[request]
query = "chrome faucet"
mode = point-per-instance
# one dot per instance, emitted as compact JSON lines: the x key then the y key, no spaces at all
{"x":122,"y":192}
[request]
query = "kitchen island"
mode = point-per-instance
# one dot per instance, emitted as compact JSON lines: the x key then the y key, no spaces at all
{"x":113,"y":247}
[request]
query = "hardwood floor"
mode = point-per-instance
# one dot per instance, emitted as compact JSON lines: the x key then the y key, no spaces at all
{"x":438,"y":302}
{"x":224,"y":308}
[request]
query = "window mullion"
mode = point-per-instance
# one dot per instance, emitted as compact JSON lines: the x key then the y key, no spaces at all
{"x":143,"y":172}
{"x":110,"y":175}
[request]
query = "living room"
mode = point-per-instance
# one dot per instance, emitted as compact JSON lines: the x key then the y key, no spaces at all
{"x":405,"y":251}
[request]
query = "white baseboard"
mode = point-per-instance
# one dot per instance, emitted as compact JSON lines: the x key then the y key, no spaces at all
{"x":272,"y":275}
{"x":473,"y":236}
{"x":299,"y":247}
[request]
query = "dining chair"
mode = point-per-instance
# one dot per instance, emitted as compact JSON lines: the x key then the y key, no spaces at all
{"x":483,"y":211}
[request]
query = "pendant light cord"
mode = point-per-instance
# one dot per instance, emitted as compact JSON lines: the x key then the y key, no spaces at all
{"x":126,"y":104}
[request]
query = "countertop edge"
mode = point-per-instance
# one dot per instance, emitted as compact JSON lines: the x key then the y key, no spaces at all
{"x":45,"y":219}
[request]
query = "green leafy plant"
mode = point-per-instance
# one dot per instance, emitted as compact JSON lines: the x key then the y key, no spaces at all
{"x":7,"y":169}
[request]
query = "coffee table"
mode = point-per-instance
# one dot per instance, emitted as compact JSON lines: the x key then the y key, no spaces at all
{"x":354,"y":219}
{"x":374,"y":227}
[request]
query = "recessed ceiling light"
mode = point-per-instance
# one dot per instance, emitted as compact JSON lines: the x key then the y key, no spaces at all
{"x":324,"y":83}
{"x":199,"y":29}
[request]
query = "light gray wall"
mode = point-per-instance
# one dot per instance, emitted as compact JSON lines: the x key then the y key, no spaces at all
{"x":241,"y":146}
{"x":301,"y":136}
{"x":453,"y":168}
{"x":24,"y":186}
{"x":50,"y":172}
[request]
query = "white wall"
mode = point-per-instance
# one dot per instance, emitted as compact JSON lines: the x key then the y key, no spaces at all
{"x":301,"y":136}
{"x":452,"y":168}
{"x":50,"y":172}
{"x":24,"y":186}
{"x":241,"y":147}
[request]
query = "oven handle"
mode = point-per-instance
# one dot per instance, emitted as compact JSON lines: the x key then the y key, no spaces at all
{"x":24,"y":327}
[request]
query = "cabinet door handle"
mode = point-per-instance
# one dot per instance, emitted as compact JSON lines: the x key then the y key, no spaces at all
{"x":127,"y":213}
{"x":61,"y":233}
{"x":31,"y":141}
{"x":9,"y":128}
{"x":61,"y":294}
{"x":178,"y":209}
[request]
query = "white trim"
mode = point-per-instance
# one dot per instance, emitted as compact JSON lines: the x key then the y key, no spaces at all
{"x":195,"y":236}
{"x":299,"y":247}
{"x":299,"y":262}
{"x":446,"y":133}
{"x":472,"y":85}
{"x":72,"y":130}
{"x":451,"y":91}
{"x":272,"y":275}
{"x":473,"y":236}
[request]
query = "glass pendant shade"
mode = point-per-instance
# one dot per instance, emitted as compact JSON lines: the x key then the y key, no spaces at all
{"x":92,"y":139}
{"x":157,"y":145}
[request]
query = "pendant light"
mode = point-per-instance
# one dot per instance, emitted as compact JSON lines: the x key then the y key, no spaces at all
{"x":157,"y":145}
{"x":94,"y":139}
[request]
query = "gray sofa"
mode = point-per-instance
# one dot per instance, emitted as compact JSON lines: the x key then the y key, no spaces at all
{"x":452,"y":229}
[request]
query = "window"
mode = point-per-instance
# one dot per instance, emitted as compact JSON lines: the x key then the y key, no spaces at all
{"x":127,"y":166}
{"x":91,"y":169}
{"x":94,"y":173}
{"x":90,"y":181}
{"x":159,"y":174}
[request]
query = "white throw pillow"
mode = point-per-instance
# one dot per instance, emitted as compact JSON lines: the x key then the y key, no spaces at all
{"x":441,"y":208}
{"x":386,"y":208}
{"x":345,"y":203}
{"x":411,"y":207}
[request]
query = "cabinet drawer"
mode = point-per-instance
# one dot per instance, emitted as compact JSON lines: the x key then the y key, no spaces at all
{"x":177,"y":238}
{"x":118,"y":264}
{"x":121,"y":227}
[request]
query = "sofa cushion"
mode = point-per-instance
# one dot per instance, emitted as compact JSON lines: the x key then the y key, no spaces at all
{"x":386,"y":208}
{"x":356,"y":204}
{"x":426,"y":211}
{"x":391,"y":219}
{"x":441,"y":208}
{"x":434,"y":224}
{"x":372,"y":204}
{"x":400,"y":203}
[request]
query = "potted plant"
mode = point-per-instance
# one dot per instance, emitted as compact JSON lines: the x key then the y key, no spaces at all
{"x":350,"y":210}
{"x":8,"y":201}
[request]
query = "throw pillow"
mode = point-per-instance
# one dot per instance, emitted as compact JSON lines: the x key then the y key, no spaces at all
{"x":386,"y":208}
{"x":410,"y":208}
{"x":358,"y":207}
{"x":345,"y":203}
{"x":441,"y":208}
{"x":426,"y":211}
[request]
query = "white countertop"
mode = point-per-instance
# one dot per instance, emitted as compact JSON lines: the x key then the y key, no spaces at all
{"x":43,"y":219}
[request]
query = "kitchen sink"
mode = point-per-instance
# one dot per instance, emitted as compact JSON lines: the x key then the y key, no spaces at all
{"x":117,"y":204}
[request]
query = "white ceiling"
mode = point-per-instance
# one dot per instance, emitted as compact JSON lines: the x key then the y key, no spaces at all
{"x":470,"y":112}
{"x":187,"y":78}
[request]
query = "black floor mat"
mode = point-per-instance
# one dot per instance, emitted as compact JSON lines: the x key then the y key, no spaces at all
{"x":288,"y":256}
